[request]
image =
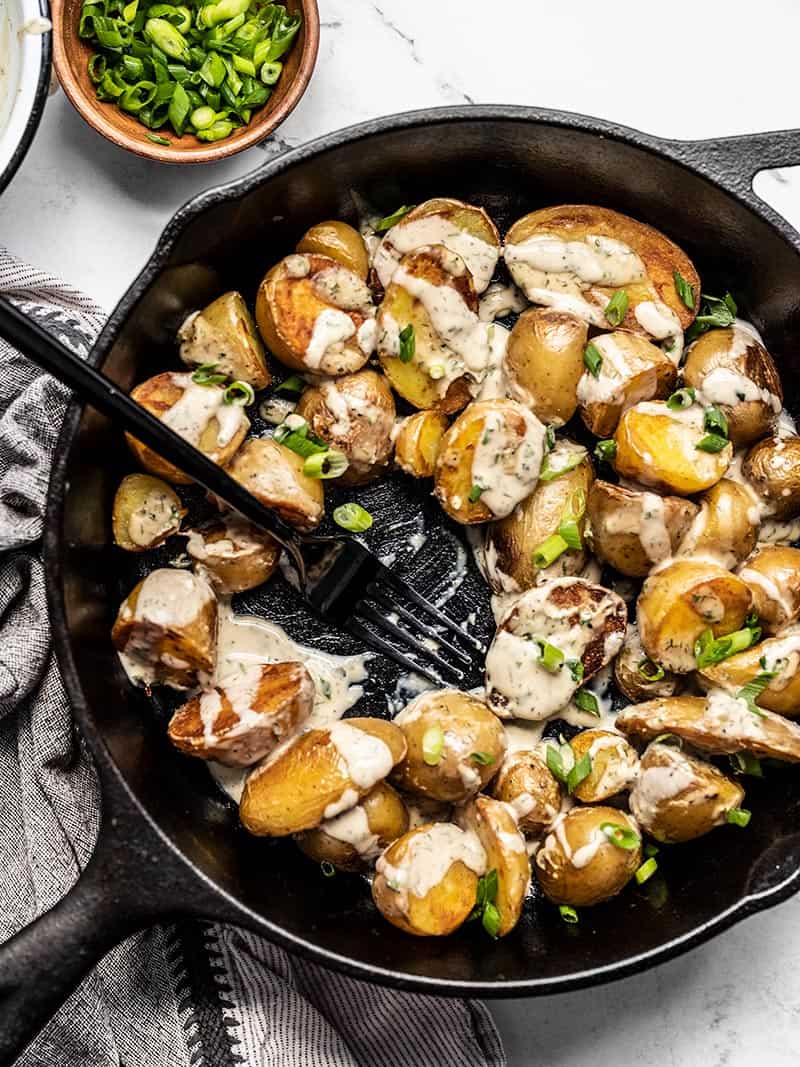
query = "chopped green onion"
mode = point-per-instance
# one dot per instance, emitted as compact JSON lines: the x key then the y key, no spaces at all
{"x":352,"y":517}
{"x":485,"y":907}
{"x":391,"y":220}
{"x":593,"y":360}
{"x":647,"y":870}
{"x":581,"y":769}
{"x":617,"y":308}
{"x":746,"y":763}
{"x":712,"y":442}
{"x":714,"y":421}
{"x":715,"y":312}
{"x":606,"y":451}
{"x":709,"y":650}
{"x":550,"y":656}
{"x":202,"y":117}
{"x":576,"y":669}
{"x":491,"y":919}
{"x":207,"y":374}
{"x":408,"y":344}
{"x":682,"y":398}
{"x":327,"y":868}
{"x":244,"y":66}
{"x":549,"y":551}
{"x":570,"y":533}
{"x":584,"y":700}
{"x":433,"y":745}
{"x":668,"y":739}
{"x":651,"y":849}
{"x":621,"y":836}
{"x":294,"y":384}
{"x":293,"y":434}
{"x":97,"y":67}
{"x":555,"y":763}
{"x":328,"y":464}
{"x":738,"y":817}
{"x":168,"y":39}
{"x":650,"y":671}
{"x":270,"y":72}
{"x":129,"y":11}
{"x":752,"y":691}
{"x":154,"y":137}
{"x":485,"y":759}
{"x":683,"y":289}
{"x":568,"y":914}
{"x":549,"y":473}
{"x":474,"y":494}
{"x":549,"y":438}
{"x":179,"y":107}
{"x":240,"y":393}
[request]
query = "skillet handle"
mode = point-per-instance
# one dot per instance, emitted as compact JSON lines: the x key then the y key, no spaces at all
{"x":733,"y":162}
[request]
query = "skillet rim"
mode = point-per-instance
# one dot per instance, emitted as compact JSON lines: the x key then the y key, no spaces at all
{"x":681,"y":153}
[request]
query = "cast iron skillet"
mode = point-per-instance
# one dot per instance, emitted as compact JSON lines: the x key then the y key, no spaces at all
{"x":168,"y":844}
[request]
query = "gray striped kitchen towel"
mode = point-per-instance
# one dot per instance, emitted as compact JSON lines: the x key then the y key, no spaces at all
{"x":200,"y":994}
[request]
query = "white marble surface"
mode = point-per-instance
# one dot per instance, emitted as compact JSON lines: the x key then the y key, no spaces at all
{"x":91,"y":213}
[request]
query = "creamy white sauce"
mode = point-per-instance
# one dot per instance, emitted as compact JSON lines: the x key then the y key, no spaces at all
{"x":366,"y":758}
{"x":500,"y":300}
{"x":408,"y":235}
{"x":352,"y":827}
{"x":339,"y":286}
{"x":730,"y":716}
{"x":154,"y":519}
{"x":661,"y":783}
{"x":661,"y":322}
{"x":616,"y":372}
{"x":769,"y":589}
{"x":171,"y":598}
{"x":332,"y":328}
{"x":197,"y":406}
{"x":727,"y":387}
{"x":429,"y":856}
{"x":505,"y":465}
{"x":595,"y":260}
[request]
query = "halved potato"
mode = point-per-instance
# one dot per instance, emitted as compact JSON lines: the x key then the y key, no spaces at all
{"x":489,"y":461}
{"x":726,"y":527}
{"x":614,"y":764}
{"x":146,"y":512}
{"x":338,"y":241}
{"x":658,"y":446}
{"x":315,"y":314}
{"x":246,"y":718}
{"x":274,"y":475}
{"x":495,"y":827}
{"x":225,"y":334}
{"x":353,"y":840}
{"x":634,"y":530}
{"x":780,"y":654}
{"x":234,"y":554}
{"x":773,"y":469}
{"x":632,"y":668}
{"x":544,"y":362}
{"x":772,"y":575}
{"x":526,"y":784}
{"x":319,"y":775}
{"x":166,"y":629}
{"x":417,"y":443}
{"x":682,"y":600}
{"x":198,"y":413}
{"x":355,"y":415}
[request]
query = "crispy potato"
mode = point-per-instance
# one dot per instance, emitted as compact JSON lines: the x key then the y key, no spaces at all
{"x":682,"y":600}
{"x":353,"y":840}
{"x":234,"y":554}
{"x":579,"y":864}
{"x":658,"y":446}
{"x":614,"y":764}
{"x":496,"y":829}
{"x":243,"y":720}
{"x":274,"y":475}
{"x":319,"y":775}
{"x":527,"y":785}
{"x":633,"y":530}
{"x":511,"y":542}
{"x":417,"y":443}
{"x":195,"y":412}
{"x":166,"y":629}
{"x":726,"y":527}
{"x":461,"y":228}
{"x":781,"y":654}
{"x":544,"y":362}
{"x":225,"y":334}
{"x":338,"y":241}
{"x":146,"y":512}
{"x":354,"y":414}
{"x":678,"y":797}
{"x":455,"y":746}
{"x":773,"y":468}
{"x":734,"y":371}
{"x":584,"y":622}
{"x":630,"y":679}
{"x":427,"y":881}
{"x":773,"y":577}
{"x":496,"y":445}
{"x":632,"y":369}
{"x":315,"y":314}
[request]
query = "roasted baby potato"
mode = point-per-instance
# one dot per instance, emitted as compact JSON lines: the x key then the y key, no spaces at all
{"x":489,"y":461}
{"x":274,"y":475}
{"x":614,"y":764}
{"x":417,"y":443}
{"x":678,"y":797}
{"x":726,"y":526}
{"x":658,"y":446}
{"x":496,"y":829}
{"x":682,"y":600}
{"x":773,"y":469}
{"x":353,"y":840}
{"x":461,"y":228}
{"x":780,"y":654}
{"x":734,"y":371}
{"x":455,"y":746}
{"x":234,"y":554}
{"x":427,"y":881}
{"x":146,"y":512}
{"x":315,"y":314}
{"x":631,"y":369}
{"x":527,"y":785}
{"x":632,"y":530}
{"x":637,"y":676}
{"x":225,"y":334}
{"x":544,"y":362}
{"x":245,"y":719}
{"x":197,"y":413}
{"x":579,"y":863}
{"x":319,"y":775}
{"x":531,"y":665}
{"x":166,"y":629}
{"x":355,"y":415}
{"x":772,"y":575}
{"x":338,"y":241}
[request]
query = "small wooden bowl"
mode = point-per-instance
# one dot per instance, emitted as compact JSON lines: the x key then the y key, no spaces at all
{"x":71,"y":55}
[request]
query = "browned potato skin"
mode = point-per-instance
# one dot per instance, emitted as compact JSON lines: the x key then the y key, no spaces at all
{"x":512,"y":541}
{"x":133,"y":494}
{"x":651,"y":375}
{"x":723,"y":527}
{"x":418,"y":441}
{"x":526,"y":783}
{"x":695,"y":809}
{"x":497,"y":829}
{"x":338,"y":241}
{"x":387,"y":819}
{"x":225,"y":333}
{"x":781,"y":696}
{"x":687,"y":718}
{"x":631,"y":682}
{"x":283,"y":699}
{"x":614,"y":526}
{"x":263,"y":466}
{"x":544,"y":361}
{"x":368,"y":440}
{"x":773,"y":468}
{"x":678,"y":603}
{"x":468,"y":726}
{"x":606,"y":874}
{"x":157,"y":395}
{"x":444,"y":907}
{"x":659,"y":451}
{"x":291,"y":792}
{"x":253,"y":560}
{"x":614,"y":765}
{"x":738,"y":351}
{"x":780,"y":567}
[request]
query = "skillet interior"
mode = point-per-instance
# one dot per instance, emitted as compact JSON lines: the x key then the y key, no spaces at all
{"x":510,"y":166}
